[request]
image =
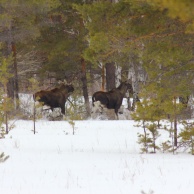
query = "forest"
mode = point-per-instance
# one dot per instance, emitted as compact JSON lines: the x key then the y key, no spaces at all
{"x":95,"y":43}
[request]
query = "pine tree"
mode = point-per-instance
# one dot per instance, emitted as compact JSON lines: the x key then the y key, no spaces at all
{"x":153,"y":129}
{"x":6,"y":104}
{"x":187,"y":135}
{"x":63,"y":46}
{"x":181,"y":9}
{"x":148,"y":120}
{"x":18,"y":27}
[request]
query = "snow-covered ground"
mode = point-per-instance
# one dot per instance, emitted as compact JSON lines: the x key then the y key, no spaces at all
{"x":103,"y":157}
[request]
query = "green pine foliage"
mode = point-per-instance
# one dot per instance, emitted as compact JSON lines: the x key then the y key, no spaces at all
{"x":187,"y":135}
{"x":148,"y":117}
{"x":148,"y":110}
{"x":75,"y":109}
{"x":153,"y":129}
{"x":6,"y":103}
{"x":166,"y":146}
{"x":145,"y":141}
{"x":62,"y":40}
{"x":182,"y":9}
{"x":115,"y":33}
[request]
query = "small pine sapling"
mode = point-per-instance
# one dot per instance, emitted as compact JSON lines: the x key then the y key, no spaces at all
{"x":152,"y":128}
{"x":34,"y":86}
{"x":72,"y":109}
{"x":146,"y":113}
{"x":166,"y":146}
{"x":169,"y":144}
{"x":173,"y":109}
{"x":140,"y":116}
{"x":187,"y":135}
{"x":144,"y":140}
{"x":75,"y":107}
{"x":72,"y":123}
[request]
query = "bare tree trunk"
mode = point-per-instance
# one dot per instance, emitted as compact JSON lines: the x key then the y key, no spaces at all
{"x":133,"y":75}
{"x":10,"y":88}
{"x":16,"y":88}
{"x":175,"y":123}
{"x":84,"y":87}
{"x":5,"y":105}
{"x":145,"y":137}
{"x":175,"y":131}
{"x":103,"y":78}
{"x":34,"y":117}
{"x":110,"y":76}
{"x":10,"y":83}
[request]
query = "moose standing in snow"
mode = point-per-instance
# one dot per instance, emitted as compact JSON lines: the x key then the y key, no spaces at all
{"x":113,"y":98}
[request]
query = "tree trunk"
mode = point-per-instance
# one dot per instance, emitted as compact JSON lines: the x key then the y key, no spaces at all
{"x":10,"y":88}
{"x":5,"y":111}
{"x":175,"y":131}
{"x":145,"y":137}
{"x":175,"y":122}
{"x":103,"y":78}
{"x":110,"y":76}
{"x":10,"y":83}
{"x":84,"y":87}
{"x":16,"y":88}
{"x":133,"y":75}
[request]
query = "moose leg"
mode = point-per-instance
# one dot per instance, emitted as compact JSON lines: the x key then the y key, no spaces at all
{"x":116,"y":113}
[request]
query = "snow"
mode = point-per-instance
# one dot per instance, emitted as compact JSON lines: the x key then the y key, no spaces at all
{"x":103,"y":157}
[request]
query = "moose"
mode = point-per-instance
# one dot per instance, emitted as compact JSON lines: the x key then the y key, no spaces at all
{"x":55,"y":98}
{"x":113,"y":98}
